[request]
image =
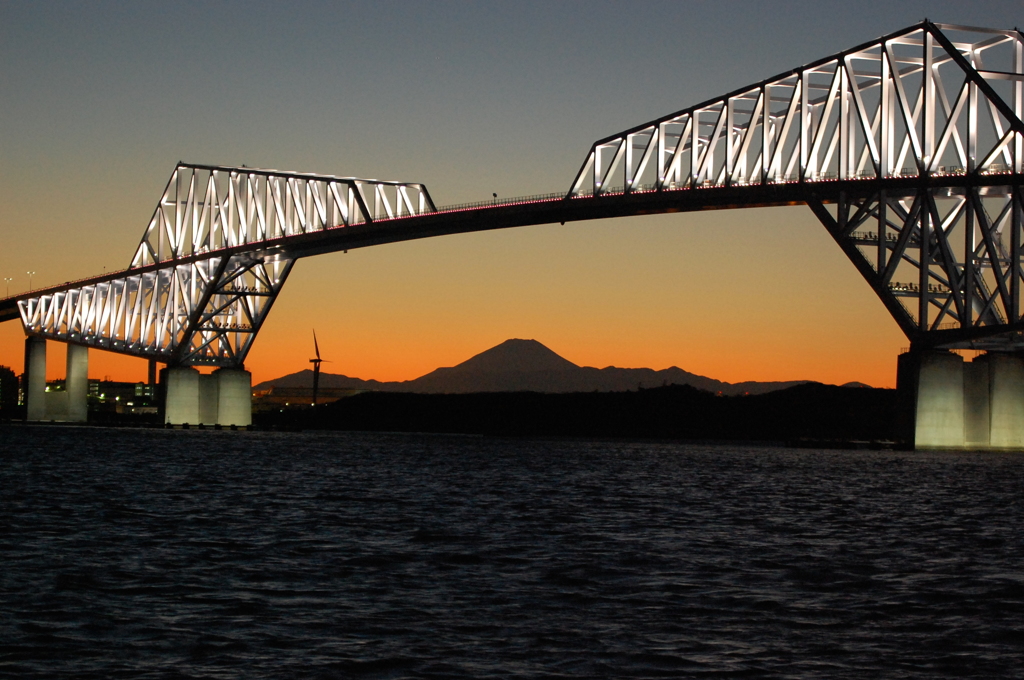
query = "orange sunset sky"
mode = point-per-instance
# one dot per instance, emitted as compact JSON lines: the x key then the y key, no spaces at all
{"x":99,"y":101}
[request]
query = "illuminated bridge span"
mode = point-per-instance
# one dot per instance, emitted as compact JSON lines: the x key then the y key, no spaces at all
{"x":909,"y":149}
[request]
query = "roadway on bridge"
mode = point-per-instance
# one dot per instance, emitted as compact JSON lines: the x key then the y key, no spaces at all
{"x":462,"y":220}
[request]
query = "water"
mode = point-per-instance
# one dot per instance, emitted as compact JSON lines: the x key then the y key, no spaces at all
{"x":158,"y":554}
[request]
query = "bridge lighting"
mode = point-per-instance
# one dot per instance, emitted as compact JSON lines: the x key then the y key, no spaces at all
{"x":7,"y":283}
{"x":30,"y":275}
{"x":208,"y":310}
{"x":916,"y":137}
{"x":913,"y":131}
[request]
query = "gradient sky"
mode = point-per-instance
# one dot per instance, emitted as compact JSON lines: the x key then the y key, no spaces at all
{"x":99,"y":100}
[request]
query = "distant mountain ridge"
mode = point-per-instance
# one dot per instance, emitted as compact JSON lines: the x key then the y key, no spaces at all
{"x":528,"y":366}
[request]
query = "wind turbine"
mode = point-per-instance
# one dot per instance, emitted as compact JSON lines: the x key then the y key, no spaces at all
{"x":316,"y":368}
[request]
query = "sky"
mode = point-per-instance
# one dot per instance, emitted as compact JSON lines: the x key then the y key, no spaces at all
{"x":99,"y":100}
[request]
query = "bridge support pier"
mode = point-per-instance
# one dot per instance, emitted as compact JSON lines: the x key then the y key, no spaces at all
{"x":223,"y":397}
{"x":76,"y":384}
{"x":1006,"y":401}
{"x":234,"y":396}
{"x":69,"y":406}
{"x":181,"y":395}
{"x":954,"y":404}
{"x":35,"y":378}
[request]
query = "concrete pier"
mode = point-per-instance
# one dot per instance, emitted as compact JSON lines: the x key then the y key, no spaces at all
{"x":976,"y":403}
{"x":954,"y":404}
{"x":181,"y":395}
{"x":223,"y":397}
{"x":69,"y":406}
{"x":208,"y":398}
{"x":76,"y":384}
{"x":234,"y":404}
{"x":1006,"y":401}
{"x":940,"y":401}
{"x":35,"y":378}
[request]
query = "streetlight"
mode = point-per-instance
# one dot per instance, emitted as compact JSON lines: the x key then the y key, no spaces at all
{"x":7,"y":280}
{"x":30,"y":279}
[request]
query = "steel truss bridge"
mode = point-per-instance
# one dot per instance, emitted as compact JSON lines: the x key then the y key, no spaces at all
{"x":909,"y":149}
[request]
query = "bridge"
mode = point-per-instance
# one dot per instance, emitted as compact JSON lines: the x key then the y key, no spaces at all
{"x":909,"y":149}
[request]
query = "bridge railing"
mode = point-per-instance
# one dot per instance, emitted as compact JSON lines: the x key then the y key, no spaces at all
{"x":516,"y":200}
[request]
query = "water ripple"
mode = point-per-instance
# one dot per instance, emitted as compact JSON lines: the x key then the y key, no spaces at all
{"x":156,"y":554}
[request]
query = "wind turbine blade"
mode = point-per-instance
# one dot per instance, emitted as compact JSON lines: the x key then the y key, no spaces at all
{"x":315,"y":345}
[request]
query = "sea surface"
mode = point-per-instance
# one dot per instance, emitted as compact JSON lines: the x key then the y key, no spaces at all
{"x":188,"y":554}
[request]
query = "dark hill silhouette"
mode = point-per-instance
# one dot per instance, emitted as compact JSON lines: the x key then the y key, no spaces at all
{"x":304,"y":378}
{"x":809,"y":411}
{"x":528,"y":366}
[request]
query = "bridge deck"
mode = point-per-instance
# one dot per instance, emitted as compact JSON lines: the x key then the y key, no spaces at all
{"x":514,"y":213}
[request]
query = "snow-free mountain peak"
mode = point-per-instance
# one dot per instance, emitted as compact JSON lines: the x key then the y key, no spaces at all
{"x":515,"y":355}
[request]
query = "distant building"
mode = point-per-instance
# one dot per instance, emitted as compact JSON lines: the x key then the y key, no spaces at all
{"x":8,"y":389}
{"x":122,"y":397}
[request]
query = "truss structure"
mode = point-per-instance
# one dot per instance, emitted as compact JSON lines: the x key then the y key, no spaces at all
{"x":931,"y":99}
{"x":210,"y":264}
{"x":945,"y":262}
{"x":207,"y":208}
{"x":909,"y":149}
